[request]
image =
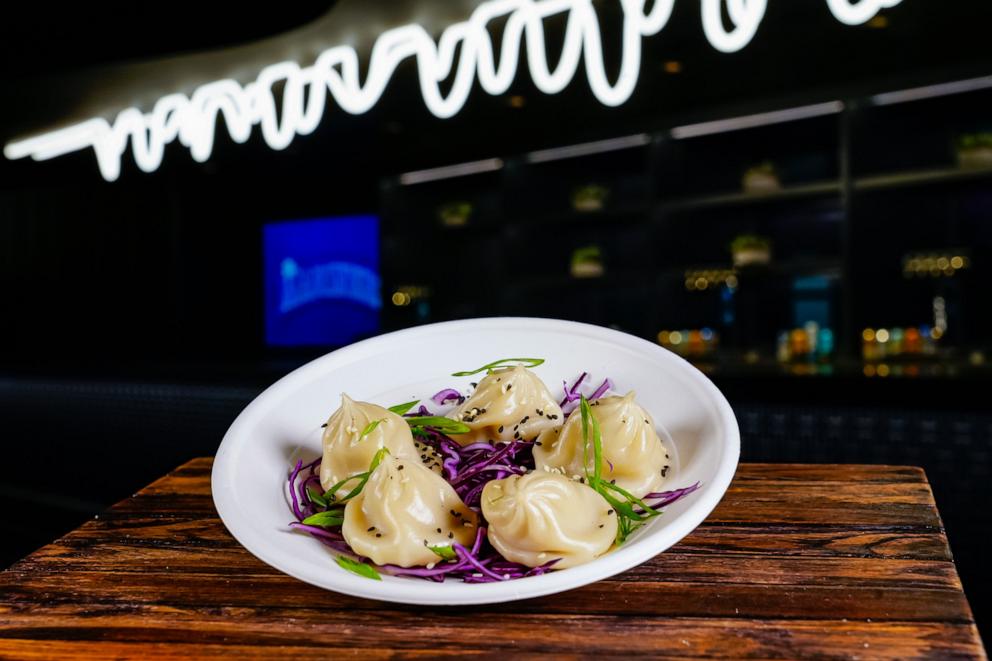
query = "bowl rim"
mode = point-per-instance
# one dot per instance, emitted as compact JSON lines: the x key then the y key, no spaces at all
{"x":407,"y":591}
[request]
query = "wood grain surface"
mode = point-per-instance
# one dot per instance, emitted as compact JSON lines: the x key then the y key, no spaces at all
{"x":797,"y":561}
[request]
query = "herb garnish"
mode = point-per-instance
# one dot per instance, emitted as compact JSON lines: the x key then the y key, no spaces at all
{"x":400,"y":409}
{"x":361,"y":477}
{"x":328,"y":519}
{"x":369,"y":428}
{"x":442,"y":424}
{"x":530,"y":362}
{"x":628,"y":518}
{"x":444,"y":551}
{"x":317,"y":497}
{"x":359,"y":568}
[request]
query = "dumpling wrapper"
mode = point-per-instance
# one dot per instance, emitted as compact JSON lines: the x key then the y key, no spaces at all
{"x":544,"y":515}
{"x":633,"y":453}
{"x":510,"y":403}
{"x":402,"y":505}
{"x":347,"y":452}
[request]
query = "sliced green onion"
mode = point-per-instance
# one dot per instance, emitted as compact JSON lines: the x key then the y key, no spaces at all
{"x":376,"y":460}
{"x":400,"y":409}
{"x":328,"y":519}
{"x":317,"y":497}
{"x":361,"y":477}
{"x":359,"y":568}
{"x":369,"y":428}
{"x":631,"y":498}
{"x":329,"y":494}
{"x":442,"y":424}
{"x":529,"y":362}
{"x":628,"y":518}
{"x":589,"y":420}
{"x":444,"y":551}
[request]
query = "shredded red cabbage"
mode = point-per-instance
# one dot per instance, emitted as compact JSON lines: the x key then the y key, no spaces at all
{"x":669,"y":497}
{"x":601,"y":390}
{"x":447,"y":395}
{"x":467,"y":468}
{"x":421,"y":411}
{"x":572,"y":395}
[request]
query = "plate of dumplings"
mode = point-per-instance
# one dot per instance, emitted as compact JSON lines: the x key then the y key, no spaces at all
{"x":476,"y":461}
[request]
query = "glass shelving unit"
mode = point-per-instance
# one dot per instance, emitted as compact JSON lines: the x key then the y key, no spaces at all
{"x":741,"y":237}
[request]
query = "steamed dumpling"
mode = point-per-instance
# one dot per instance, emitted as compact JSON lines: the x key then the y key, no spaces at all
{"x":633,"y":454}
{"x":543,"y":515}
{"x":347,"y":452}
{"x":403,"y":508}
{"x":510,"y":403}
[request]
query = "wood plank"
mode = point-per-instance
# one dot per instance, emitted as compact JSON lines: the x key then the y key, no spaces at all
{"x":620,"y":595}
{"x":783,"y":539}
{"x":672,"y":565}
{"x":544,"y":634}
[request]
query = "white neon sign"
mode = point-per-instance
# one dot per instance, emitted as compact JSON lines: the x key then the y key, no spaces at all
{"x":192,"y":120}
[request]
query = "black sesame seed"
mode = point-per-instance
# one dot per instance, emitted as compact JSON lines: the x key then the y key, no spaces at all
{"x":400,"y":467}
{"x":378,"y":534}
{"x":371,"y":528}
{"x":473,"y":384}
{"x":500,"y":430}
{"x":613,"y":481}
{"x":537,"y":442}
{"x":608,"y":512}
{"x":439,"y":530}
{"x":601,"y":525}
{"x":451,"y":535}
{"x":324,"y":425}
{"x":539,"y":411}
{"x":526,"y":418}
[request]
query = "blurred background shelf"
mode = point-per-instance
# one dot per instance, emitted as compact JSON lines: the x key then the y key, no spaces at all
{"x":948,"y":175}
{"x":747,"y":234}
{"x":738,"y":198}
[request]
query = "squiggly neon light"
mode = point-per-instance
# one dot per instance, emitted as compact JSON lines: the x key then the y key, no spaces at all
{"x":192,"y":120}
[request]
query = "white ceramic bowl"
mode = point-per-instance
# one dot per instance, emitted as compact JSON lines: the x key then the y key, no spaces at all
{"x":250,"y":471}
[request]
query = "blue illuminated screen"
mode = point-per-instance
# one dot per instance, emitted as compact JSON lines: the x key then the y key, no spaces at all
{"x":322,"y":284}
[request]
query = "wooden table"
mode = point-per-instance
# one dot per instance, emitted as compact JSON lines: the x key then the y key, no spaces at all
{"x":834,"y":561}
